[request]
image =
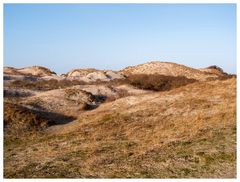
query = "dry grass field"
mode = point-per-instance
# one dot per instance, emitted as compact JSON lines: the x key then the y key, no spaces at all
{"x":188,"y":131}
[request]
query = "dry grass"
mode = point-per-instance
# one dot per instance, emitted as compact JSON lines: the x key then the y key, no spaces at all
{"x":187,"y":132}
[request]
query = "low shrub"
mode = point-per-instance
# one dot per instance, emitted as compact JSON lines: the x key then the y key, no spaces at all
{"x":45,"y":84}
{"x":158,"y":82}
{"x":224,"y":77}
{"x":20,"y":118}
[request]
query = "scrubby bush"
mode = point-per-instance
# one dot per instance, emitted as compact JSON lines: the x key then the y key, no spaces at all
{"x":45,"y":84}
{"x":158,"y":82}
{"x":216,"y":68}
{"x":87,"y":106}
{"x":20,"y":118}
{"x":120,"y":94}
{"x":223,"y":77}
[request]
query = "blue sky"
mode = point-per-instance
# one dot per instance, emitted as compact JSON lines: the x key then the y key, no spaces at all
{"x":113,"y":36}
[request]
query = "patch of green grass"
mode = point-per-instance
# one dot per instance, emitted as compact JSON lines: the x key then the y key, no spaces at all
{"x":186,"y":143}
{"x":104,"y":149}
{"x":226,"y":157}
{"x":234,"y":129}
{"x":186,"y":171}
{"x":108,"y":117}
{"x":209,"y":159}
{"x":13,"y":142}
{"x":74,"y":155}
{"x":146,"y":174}
{"x":221,"y":157}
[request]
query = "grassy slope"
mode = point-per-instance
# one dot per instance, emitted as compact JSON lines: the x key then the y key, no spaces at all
{"x":183,"y":133}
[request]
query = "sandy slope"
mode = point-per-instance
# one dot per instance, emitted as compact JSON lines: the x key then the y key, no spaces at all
{"x":169,"y":69}
{"x":91,"y":74}
{"x":33,"y":70}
